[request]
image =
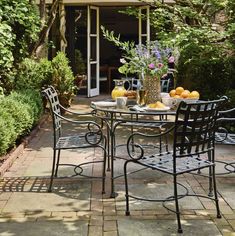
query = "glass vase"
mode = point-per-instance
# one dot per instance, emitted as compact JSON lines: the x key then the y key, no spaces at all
{"x":119,"y":90}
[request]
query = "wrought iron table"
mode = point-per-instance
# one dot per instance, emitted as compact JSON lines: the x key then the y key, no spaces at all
{"x":113,"y":117}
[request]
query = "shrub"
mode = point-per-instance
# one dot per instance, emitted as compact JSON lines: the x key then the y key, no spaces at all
{"x":18,"y":113}
{"x":205,"y":71}
{"x":31,"y":98}
{"x":62,"y":75}
{"x":33,"y":74}
{"x":8,"y":133}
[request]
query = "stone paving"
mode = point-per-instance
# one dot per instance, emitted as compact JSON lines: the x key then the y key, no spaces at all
{"x":77,"y":207}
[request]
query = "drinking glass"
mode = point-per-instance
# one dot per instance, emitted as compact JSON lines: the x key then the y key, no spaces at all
{"x":141,"y":97}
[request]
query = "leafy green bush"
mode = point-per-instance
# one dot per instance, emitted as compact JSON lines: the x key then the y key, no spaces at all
{"x":33,"y":75}
{"x":203,"y":70}
{"x":18,"y":113}
{"x":8,"y":133}
{"x":33,"y":99}
{"x":62,"y":75}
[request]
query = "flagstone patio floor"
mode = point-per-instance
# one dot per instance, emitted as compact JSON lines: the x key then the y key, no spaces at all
{"x":77,"y":207}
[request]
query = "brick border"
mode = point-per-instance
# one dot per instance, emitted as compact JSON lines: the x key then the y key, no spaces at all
{"x":16,"y":152}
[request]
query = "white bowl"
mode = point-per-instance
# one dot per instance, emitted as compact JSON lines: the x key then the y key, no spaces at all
{"x":165,"y":95}
{"x":168,"y":101}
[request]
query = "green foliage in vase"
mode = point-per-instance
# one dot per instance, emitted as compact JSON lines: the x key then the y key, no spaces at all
{"x":145,"y":60}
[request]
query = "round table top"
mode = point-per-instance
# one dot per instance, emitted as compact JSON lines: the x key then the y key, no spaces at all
{"x":110,"y":107}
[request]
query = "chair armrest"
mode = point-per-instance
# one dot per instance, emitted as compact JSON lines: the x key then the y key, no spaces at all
{"x":93,"y":128}
{"x":76,"y":113}
{"x":130,"y":142}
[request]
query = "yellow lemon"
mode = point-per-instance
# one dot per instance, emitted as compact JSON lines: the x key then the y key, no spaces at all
{"x":194,"y":95}
{"x":185,"y":94}
{"x":179,"y":90}
{"x":172,"y":93}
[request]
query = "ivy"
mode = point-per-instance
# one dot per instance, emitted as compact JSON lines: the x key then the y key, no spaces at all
{"x":23,"y":23}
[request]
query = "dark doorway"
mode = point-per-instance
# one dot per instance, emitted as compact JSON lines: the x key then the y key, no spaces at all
{"x":127,"y":26}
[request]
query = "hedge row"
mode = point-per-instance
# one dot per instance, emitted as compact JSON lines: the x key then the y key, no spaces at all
{"x":19,"y":112}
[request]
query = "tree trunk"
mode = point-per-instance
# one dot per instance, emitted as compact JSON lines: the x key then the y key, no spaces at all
{"x":37,"y":47}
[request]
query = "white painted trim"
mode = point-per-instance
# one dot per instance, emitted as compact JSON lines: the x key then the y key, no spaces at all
{"x":147,"y":34}
{"x":95,"y":91}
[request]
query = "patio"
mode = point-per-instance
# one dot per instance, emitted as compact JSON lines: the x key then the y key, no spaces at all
{"x":77,"y":207}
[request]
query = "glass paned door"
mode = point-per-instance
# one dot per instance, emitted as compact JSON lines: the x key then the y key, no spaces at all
{"x":93,"y":51}
{"x":144,"y":25}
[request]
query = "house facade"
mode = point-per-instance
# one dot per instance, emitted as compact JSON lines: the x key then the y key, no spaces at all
{"x":79,"y":35}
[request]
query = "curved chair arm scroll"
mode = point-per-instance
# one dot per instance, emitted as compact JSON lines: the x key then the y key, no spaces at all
{"x":76,"y":113}
{"x":130,"y":143}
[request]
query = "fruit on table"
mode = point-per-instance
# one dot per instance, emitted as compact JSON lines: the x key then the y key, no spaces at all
{"x":194,"y":95}
{"x":130,"y":94}
{"x":172,"y":93}
{"x":156,"y":105}
{"x":179,"y":90}
{"x":185,"y":93}
{"x":176,"y":96}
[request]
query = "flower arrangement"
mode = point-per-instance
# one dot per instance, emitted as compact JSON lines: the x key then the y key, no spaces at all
{"x":145,"y":60}
{"x":150,"y":60}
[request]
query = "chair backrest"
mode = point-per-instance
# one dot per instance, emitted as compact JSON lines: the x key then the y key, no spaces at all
{"x":195,"y":125}
{"x":165,"y":85}
{"x":53,"y":99}
{"x":134,"y":84}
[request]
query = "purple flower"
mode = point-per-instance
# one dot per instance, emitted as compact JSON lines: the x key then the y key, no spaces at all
{"x":171,"y":59}
{"x":151,"y":66}
{"x":160,"y":65}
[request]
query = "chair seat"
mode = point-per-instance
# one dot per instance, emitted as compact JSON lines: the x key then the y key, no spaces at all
{"x":77,"y":141}
{"x":183,"y":164}
{"x":224,"y":138}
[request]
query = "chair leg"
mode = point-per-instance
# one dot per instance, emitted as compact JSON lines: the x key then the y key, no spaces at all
{"x":210,"y":194}
{"x":215,"y":193}
{"x":108,"y":148}
{"x":166,"y":140}
{"x":52,"y":170}
{"x":160,"y":145}
{"x":126,"y":188}
{"x":104,"y":173}
{"x":177,"y":205}
{"x":57,"y":164}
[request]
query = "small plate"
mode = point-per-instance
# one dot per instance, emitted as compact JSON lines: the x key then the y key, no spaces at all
{"x":157,"y":109}
{"x":104,"y":104}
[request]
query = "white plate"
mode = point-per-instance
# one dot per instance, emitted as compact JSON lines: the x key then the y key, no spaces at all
{"x":104,"y":104}
{"x":157,"y":109}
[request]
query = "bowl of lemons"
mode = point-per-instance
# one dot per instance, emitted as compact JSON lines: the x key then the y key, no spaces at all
{"x":180,"y":94}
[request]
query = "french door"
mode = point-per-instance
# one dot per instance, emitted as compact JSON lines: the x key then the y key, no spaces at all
{"x":144,"y":25}
{"x":93,"y":51}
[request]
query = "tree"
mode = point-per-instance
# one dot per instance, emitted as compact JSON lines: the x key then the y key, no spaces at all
{"x":46,"y":26}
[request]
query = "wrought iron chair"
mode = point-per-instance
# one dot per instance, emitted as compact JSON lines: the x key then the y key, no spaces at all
{"x":91,"y":138}
{"x":223,"y":136}
{"x":193,"y":149}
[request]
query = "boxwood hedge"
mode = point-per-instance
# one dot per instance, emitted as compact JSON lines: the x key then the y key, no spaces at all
{"x":18,"y":113}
